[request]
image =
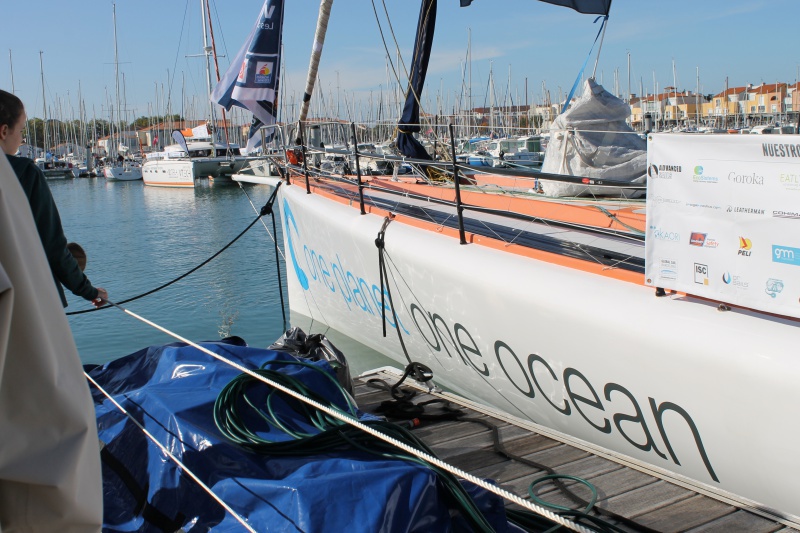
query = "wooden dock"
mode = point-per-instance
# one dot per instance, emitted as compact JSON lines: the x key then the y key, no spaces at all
{"x":640,"y":501}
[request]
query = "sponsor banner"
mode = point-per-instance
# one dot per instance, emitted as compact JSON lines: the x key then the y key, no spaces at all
{"x":722,"y":219}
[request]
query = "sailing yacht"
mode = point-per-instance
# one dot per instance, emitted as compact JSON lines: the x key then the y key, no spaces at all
{"x":177,"y":166}
{"x":125,"y":169}
{"x":199,"y":156}
{"x":660,"y":331}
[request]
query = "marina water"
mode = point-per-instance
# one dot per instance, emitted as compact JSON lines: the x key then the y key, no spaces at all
{"x":138,"y":238}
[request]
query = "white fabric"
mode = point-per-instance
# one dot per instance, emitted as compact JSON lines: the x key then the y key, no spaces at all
{"x":50,"y":477}
{"x":592,"y":139}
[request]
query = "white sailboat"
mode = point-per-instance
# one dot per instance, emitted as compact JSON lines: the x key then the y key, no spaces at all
{"x":126,"y":169}
{"x":180,"y":164}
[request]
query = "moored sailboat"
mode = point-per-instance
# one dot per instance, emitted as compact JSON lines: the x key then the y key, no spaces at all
{"x":123,"y":168}
{"x":643,"y":328}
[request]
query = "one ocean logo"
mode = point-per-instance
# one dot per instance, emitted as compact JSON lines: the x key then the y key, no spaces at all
{"x":726,"y":278}
{"x":357,"y":293}
{"x":264,"y":72}
{"x":786,"y":255}
{"x":289,"y":218}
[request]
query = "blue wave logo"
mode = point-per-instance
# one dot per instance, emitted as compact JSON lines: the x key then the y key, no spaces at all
{"x":288,"y":217}
{"x":726,"y":278}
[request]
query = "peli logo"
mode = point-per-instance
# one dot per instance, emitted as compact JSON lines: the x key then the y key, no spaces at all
{"x":745,"y":245}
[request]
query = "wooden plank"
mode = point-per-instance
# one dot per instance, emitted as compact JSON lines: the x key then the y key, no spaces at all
{"x":646,"y":499}
{"x":739,"y":521}
{"x":608,"y":484}
{"x":686,"y":514}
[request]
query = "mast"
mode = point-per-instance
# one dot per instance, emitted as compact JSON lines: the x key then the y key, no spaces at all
{"x":207,"y":52}
{"x":491,"y":99}
{"x":44,"y":106}
{"x":316,"y":54}
{"x":696,"y":101}
{"x":471,"y":105}
{"x":629,"y":78}
{"x":11,"y":66}
{"x":116,"y":75}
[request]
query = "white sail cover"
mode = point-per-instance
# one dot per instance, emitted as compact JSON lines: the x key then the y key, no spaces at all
{"x":592,"y":139}
{"x":50,"y":476}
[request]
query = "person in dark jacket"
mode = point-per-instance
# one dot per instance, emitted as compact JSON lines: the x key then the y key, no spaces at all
{"x":63,"y":265}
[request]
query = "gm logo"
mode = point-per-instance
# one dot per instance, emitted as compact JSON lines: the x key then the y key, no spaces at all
{"x":786,"y":255}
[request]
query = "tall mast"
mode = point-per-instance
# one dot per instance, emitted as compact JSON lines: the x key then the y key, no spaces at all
{"x":116,"y":75}
{"x":471,"y":105}
{"x":207,"y":52}
{"x":11,"y":66}
{"x":316,"y":54}
{"x":44,"y":105}
{"x":696,"y":101}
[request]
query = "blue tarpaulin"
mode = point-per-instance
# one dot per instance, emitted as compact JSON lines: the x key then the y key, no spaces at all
{"x":171,"y":390}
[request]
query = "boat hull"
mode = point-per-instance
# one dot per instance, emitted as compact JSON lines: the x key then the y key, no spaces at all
{"x":123,"y":173}
{"x":670,"y":383}
{"x":168,"y":173}
{"x":183,"y":172}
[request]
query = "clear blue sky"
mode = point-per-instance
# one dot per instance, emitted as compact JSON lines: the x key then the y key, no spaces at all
{"x":745,"y":40}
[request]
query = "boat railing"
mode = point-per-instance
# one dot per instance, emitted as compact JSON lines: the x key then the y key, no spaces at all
{"x":449,"y":169}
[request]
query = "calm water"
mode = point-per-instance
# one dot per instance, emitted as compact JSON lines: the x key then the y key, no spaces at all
{"x":138,"y":238}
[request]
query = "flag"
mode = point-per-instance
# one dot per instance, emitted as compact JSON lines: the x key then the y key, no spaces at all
{"x":178,"y":137}
{"x":251,"y":81}
{"x":155,"y":140}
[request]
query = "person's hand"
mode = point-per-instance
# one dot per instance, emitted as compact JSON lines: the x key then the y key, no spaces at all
{"x":102,"y":296}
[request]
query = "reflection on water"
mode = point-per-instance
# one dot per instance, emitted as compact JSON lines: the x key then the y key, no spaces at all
{"x":138,"y":238}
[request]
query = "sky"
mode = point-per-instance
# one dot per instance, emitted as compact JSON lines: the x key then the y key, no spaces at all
{"x":519,"y":41}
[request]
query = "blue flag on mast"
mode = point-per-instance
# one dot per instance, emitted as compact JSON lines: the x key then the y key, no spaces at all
{"x":251,"y":81}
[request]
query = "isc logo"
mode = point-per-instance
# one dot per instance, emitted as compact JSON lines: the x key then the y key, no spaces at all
{"x":701,"y":274}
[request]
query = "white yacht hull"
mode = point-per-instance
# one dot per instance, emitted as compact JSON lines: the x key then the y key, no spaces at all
{"x":183,"y":172}
{"x":670,"y":383}
{"x":168,"y":173}
{"x":123,"y":173}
